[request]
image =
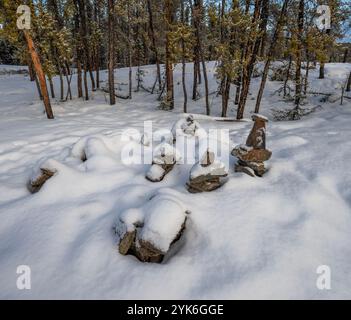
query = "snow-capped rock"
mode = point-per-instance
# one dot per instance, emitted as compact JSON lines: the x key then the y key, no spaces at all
{"x":148,"y":232}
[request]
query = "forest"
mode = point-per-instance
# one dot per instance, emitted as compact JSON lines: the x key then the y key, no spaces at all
{"x":84,"y":37}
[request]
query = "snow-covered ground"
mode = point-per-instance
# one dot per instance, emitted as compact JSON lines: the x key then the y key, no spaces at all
{"x":252,"y":238}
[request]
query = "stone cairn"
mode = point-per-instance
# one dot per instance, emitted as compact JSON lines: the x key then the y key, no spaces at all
{"x":253,"y":154}
{"x":142,"y":236}
{"x":164,"y":159}
{"x":188,"y":127}
{"x":206,"y":175}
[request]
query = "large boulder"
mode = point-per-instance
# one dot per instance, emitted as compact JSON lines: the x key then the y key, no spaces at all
{"x":150,"y":231}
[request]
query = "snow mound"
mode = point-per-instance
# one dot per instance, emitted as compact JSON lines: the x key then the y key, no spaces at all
{"x":155,"y":226}
{"x":90,"y":146}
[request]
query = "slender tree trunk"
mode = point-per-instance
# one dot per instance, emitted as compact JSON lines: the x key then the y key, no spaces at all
{"x":52,"y":89}
{"x":243,"y":50}
{"x":197,"y":12}
{"x":30,"y":69}
{"x":346,"y":52}
{"x":40,"y":73}
{"x":348,"y":86}
{"x":195,"y":81}
{"x":169,"y":65}
{"x":185,"y":94}
{"x":322,"y":63}
{"x":263,"y":27}
{"x":298,"y":86}
{"x":111,"y":52}
{"x":84,"y":36}
{"x":79,"y":78}
{"x":85,"y":79}
{"x":307,"y":71}
{"x":270,"y":54}
{"x":250,"y":60}
{"x":321,"y":70}
{"x":38,"y":86}
{"x":153,"y":41}
{"x":287,"y":77}
{"x":97,"y":13}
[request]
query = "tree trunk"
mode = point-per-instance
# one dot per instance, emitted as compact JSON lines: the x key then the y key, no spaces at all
{"x":307,"y":71}
{"x":52,"y":89}
{"x":300,"y":23}
{"x":322,"y":63}
{"x":263,"y":27}
{"x":287,"y":77}
{"x":197,"y":12}
{"x":169,"y":65}
{"x":321,"y":70}
{"x":249,"y":62}
{"x":270,"y":54}
{"x":30,"y":69}
{"x":348,"y":86}
{"x":40,"y":73}
{"x":111,"y":52}
{"x":153,"y":41}
{"x":84,"y":36}
{"x":185,"y":94}
{"x":345,"y":55}
{"x":38,"y":86}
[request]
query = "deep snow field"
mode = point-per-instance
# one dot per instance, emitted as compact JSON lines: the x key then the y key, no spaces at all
{"x":252,"y":238}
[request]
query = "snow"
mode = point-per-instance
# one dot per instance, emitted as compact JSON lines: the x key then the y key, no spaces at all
{"x":155,"y":172}
{"x":165,"y":153}
{"x":252,"y":238}
{"x":187,"y":127}
{"x":163,"y":221}
{"x":217,"y":168}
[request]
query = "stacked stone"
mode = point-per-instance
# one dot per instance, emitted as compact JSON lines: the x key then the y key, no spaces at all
{"x":188,"y":127}
{"x":164,"y":159}
{"x":206,"y":175}
{"x":140,"y":233}
{"x":253,"y":154}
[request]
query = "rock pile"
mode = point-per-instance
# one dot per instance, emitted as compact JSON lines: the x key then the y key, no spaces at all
{"x":41,"y":174}
{"x":207,"y":174}
{"x":188,"y":127}
{"x":149,"y":232}
{"x":253,"y":154}
{"x":165,"y":156}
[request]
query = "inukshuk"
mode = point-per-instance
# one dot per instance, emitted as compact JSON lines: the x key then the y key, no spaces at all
{"x":164,"y":158}
{"x":207,"y":174}
{"x":253,"y":154}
